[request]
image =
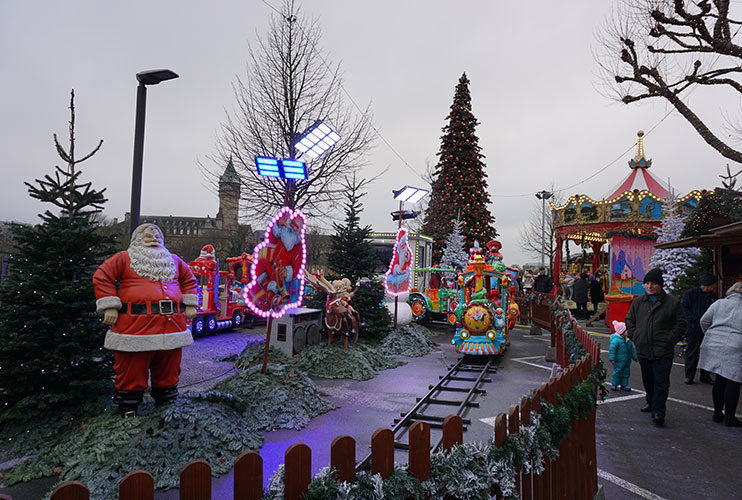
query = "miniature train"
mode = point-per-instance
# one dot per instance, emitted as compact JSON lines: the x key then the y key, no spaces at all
{"x":220,"y":304}
{"x":487,"y":310}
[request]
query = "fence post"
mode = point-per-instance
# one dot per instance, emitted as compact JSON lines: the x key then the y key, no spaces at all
{"x":298,"y":470}
{"x":453,"y":431}
{"x":248,"y":476}
{"x":453,"y":434}
{"x":382,"y":452}
{"x":343,"y":458}
{"x":541,"y":481}
{"x":195,"y":481}
{"x":513,"y":424}
{"x":525,"y":419}
{"x":137,"y":485}
{"x":71,"y":490}
{"x":501,"y":431}
{"x":419,"y":456}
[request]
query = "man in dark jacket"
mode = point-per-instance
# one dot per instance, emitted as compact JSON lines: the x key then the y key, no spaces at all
{"x":543,"y":282}
{"x":695,"y":302}
{"x":655,"y":323}
{"x":581,"y":287}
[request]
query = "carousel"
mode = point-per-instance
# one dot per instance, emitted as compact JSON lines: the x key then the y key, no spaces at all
{"x":620,"y":227}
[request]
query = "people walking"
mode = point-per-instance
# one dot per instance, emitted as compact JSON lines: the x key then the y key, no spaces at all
{"x":696,"y":302}
{"x":581,"y":287}
{"x":595,"y":292}
{"x":655,"y":323}
{"x":721,"y":353}
{"x":621,"y":353}
{"x":543,"y":282}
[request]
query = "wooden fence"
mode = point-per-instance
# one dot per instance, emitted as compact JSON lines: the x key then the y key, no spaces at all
{"x":572,"y":476}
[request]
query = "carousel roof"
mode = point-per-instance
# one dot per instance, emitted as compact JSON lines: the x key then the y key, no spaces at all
{"x":640,"y":177}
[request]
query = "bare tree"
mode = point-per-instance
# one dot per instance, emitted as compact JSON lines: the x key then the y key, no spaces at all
{"x":287,"y":87}
{"x":667,"y":48}
{"x":531,"y":233}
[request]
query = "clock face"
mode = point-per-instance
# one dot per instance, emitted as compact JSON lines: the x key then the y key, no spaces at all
{"x":478,"y":319}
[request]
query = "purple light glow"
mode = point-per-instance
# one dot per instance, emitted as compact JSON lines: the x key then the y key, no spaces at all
{"x":298,"y":274}
{"x":404,"y":284}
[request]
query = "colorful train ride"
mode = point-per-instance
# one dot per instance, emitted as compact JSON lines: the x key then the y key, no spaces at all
{"x":487,"y":310}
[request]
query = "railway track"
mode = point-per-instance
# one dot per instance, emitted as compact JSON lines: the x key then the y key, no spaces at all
{"x":466,"y":378}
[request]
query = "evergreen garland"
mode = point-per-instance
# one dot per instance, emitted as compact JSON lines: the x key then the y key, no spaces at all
{"x":459,"y":181}
{"x":214,"y":426}
{"x":407,"y":341}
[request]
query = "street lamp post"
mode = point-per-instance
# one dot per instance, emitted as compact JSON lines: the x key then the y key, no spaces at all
{"x":145,"y":78}
{"x":543,"y":196}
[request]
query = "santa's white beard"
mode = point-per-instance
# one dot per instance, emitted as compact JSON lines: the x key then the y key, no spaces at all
{"x":153,"y":263}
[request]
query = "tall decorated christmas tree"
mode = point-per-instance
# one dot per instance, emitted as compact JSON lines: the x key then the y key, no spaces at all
{"x":459,"y":180}
{"x":51,"y":338}
{"x":673,"y":261}
{"x":454,"y":252}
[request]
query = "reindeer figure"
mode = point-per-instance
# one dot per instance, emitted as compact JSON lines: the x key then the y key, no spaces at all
{"x":340,"y":317}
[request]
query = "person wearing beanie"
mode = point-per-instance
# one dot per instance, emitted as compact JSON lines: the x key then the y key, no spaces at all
{"x":655,"y":323}
{"x":620,"y":354}
{"x":696,"y":302}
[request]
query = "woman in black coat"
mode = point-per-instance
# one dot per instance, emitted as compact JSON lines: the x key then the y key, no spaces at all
{"x":596,"y":293}
{"x":580,"y":296}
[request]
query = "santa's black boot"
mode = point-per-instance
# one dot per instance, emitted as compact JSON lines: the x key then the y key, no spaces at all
{"x":128,"y":402}
{"x":163,"y":395}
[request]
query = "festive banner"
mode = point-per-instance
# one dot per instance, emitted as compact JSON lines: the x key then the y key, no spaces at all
{"x":397,"y":279}
{"x":278,"y":263}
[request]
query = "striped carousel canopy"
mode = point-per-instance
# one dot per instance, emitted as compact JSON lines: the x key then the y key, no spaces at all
{"x":640,"y":177}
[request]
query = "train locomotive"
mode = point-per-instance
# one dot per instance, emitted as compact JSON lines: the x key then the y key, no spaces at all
{"x":486,"y":311}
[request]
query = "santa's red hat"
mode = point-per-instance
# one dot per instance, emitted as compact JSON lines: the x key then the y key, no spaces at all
{"x":207,"y":252}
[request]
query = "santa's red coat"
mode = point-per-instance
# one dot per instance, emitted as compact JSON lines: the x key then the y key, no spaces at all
{"x":151,"y":331}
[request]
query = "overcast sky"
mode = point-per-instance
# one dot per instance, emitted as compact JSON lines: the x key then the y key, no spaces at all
{"x":535,"y":90}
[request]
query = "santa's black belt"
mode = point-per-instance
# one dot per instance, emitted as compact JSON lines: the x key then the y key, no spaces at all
{"x":164,"y":307}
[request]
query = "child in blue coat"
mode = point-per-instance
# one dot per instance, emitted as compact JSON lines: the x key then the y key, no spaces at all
{"x":620,"y":354}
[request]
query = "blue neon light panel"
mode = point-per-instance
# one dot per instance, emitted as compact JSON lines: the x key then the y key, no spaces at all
{"x":294,"y":169}
{"x":267,"y":166}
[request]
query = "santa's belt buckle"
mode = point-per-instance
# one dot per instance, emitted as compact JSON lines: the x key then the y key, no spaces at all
{"x":166,"y":307}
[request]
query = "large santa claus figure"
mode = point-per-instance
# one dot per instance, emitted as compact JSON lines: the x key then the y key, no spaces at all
{"x":147,"y":312}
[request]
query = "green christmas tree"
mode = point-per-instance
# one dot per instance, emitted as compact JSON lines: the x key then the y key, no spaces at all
{"x":51,"y":338}
{"x":459,"y":180}
{"x":352,"y":256}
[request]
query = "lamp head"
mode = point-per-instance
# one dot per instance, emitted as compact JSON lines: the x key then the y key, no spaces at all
{"x":155,"y":76}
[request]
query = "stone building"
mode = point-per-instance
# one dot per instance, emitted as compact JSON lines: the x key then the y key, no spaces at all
{"x":185,"y":236}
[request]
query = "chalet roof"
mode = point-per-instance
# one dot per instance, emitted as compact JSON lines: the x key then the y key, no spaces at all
{"x":728,"y":234}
